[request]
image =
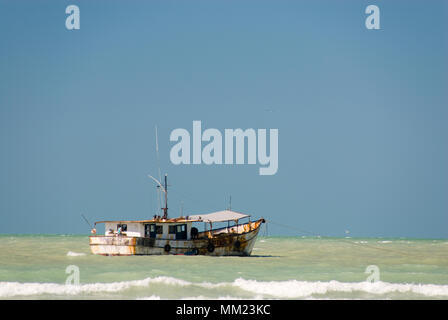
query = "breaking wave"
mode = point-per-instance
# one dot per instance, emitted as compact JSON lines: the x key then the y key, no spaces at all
{"x":75,"y":254}
{"x":241,"y":288}
{"x":303,"y":289}
{"x":10,"y":289}
{"x":153,"y":297}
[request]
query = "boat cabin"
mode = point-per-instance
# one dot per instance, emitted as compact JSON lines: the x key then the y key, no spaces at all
{"x":149,"y":229}
{"x":175,"y":229}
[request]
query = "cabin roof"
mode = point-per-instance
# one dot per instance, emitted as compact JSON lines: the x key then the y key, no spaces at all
{"x":219,"y":216}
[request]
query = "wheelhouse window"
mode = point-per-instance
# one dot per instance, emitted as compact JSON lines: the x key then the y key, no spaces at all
{"x":172,"y":229}
{"x":181,"y":232}
{"x":150,"y":230}
{"x":159,"y":229}
{"x":124,"y":227}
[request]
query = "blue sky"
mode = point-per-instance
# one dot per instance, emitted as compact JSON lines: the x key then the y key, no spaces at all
{"x":361,"y":113}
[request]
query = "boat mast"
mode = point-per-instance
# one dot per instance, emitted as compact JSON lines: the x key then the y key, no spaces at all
{"x":165,"y":210}
{"x":164,"y":189}
{"x":159,"y":195}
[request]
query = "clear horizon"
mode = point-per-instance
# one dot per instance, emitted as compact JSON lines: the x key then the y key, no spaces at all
{"x":259,"y":236}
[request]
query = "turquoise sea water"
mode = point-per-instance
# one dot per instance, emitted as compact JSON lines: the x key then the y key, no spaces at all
{"x":34,"y":267}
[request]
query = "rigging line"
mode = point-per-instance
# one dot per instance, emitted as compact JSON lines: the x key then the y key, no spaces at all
{"x":180,"y":194}
{"x":293,"y":228}
{"x":158,"y":200}
{"x":346,"y":241}
{"x":266,"y":234}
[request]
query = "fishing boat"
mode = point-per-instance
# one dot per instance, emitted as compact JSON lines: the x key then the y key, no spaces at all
{"x":162,"y":235}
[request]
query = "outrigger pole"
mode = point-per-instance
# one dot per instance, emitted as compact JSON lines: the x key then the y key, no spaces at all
{"x":87,"y":221}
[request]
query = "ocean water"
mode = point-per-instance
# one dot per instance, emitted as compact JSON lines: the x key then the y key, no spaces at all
{"x":36,"y":266}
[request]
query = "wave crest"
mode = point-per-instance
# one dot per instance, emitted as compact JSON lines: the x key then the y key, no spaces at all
{"x":288,"y":289}
{"x":302,"y":289}
{"x":75,"y":254}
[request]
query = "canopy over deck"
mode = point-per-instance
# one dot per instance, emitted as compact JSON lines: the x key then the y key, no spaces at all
{"x":219,"y":216}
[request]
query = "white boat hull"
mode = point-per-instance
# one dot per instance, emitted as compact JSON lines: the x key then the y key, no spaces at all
{"x":210,"y":243}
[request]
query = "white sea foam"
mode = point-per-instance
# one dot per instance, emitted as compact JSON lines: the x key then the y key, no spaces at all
{"x":256,"y":297}
{"x":301,"y":289}
{"x":210,"y":298}
{"x":75,"y":254}
{"x":10,"y":289}
{"x":153,"y":297}
{"x":262,"y":289}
